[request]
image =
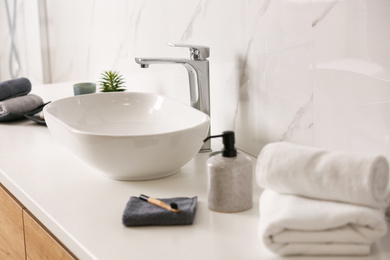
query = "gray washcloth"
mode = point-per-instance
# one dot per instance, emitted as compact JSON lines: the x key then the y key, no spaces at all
{"x":20,"y":105}
{"x":142,"y":213}
{"x":14,"y":88}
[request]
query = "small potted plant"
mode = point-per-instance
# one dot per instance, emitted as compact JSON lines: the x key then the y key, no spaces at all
{"x":111,"y":81}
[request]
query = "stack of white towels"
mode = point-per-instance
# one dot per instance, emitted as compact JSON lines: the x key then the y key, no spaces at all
{"x":319,"y":202}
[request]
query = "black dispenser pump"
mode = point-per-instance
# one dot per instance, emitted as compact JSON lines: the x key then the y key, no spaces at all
{"x":228,"y":142}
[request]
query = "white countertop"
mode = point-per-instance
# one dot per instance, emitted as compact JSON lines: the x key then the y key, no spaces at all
{"x":84,"y":210}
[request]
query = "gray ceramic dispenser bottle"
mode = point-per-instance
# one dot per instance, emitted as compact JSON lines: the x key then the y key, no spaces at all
{"x":230,"y":178}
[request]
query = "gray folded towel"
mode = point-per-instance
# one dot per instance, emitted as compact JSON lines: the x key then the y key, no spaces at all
{"x":142,"y":213}
{"x":20,"y":105}
{"x":14,"y":88}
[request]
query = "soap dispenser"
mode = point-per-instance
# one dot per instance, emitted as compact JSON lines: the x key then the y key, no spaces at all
{"x":230,"y":178}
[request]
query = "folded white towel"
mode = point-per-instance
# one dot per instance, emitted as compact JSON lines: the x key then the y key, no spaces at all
{"x":312,"y":172}
{"x":20,"y":105}
{"x":293,"y":225}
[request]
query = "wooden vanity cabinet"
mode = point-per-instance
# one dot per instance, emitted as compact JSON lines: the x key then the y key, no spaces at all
{"x":39,"y":243}
{"x":11,"y":227}
{"x":22,"y":236}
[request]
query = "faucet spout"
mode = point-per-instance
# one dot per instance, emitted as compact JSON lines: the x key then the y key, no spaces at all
{"x":149,"y":61}
{"x":198,"y":78}
{"x":198,"y":74}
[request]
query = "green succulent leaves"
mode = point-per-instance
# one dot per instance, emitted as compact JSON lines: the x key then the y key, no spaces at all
{"x":111,"y":81}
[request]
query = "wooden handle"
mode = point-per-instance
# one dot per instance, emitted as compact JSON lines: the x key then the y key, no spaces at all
{"x":158,"y":203}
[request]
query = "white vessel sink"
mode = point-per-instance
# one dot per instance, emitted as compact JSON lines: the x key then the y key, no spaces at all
{"x":128,"y":136}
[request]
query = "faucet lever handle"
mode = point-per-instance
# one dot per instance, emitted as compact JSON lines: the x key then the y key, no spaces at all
{"x":198,"y":52}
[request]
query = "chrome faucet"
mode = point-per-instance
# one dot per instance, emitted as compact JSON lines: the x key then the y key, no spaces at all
{"x":198,"y":73}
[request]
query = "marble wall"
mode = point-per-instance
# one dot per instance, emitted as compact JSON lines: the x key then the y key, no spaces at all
{"x":314,"y":72}
{"x":25,"y":57}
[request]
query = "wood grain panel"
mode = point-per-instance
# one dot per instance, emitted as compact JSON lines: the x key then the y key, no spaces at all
{"x":40,"y":244}
{"x":11,"y":227}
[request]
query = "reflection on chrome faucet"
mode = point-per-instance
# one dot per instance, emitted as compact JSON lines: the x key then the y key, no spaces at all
{"x":198,"y":73}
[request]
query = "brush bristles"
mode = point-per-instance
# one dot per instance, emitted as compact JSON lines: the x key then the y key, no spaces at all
{"x":174,"y":205}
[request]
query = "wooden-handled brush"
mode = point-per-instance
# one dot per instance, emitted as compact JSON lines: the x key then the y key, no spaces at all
{"x":172,"y":207}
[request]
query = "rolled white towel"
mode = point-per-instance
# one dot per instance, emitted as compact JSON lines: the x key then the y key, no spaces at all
{"x":294,"y":225}
{"x":312,"y":172}
{"x":20,"y":105}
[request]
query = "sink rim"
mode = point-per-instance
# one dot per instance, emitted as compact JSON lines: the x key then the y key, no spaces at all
{"x":47,"y":112}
